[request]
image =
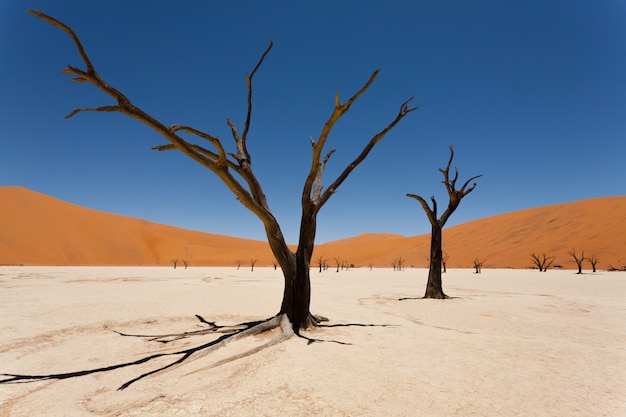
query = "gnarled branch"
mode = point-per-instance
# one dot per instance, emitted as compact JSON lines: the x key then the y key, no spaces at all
{"x":404,"y":110}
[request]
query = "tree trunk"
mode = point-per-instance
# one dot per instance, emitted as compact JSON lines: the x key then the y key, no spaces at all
{"x":297,"y":291}
{"x":433,"y":287}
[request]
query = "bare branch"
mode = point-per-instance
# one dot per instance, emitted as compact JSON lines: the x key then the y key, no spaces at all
{"x":252,"y":197}
{"x":97,"y":109}
{"x":431,"y":213}
{"x":466,"y":192}
{"x":404,"y":110}
{"x":69,"y":31}
{"x":317,"y":185}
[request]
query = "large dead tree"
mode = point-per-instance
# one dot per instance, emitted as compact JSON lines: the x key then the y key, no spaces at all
{"x":433,"y":287}
{"x":235,"y":170}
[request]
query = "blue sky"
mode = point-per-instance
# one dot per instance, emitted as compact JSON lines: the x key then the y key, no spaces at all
{"x":532,"y":94}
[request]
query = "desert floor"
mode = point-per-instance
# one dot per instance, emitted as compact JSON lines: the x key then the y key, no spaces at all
{"x":511,"y":343}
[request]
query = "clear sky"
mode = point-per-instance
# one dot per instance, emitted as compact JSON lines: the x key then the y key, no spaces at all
{"x":532,"y":94}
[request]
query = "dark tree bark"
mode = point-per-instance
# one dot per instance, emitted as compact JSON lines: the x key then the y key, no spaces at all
{"x":235,"y":170}
{"x":434,"y":287}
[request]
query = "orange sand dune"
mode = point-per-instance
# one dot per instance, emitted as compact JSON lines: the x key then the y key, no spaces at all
{"x":595,"y":226}
{"x":36,"y":229}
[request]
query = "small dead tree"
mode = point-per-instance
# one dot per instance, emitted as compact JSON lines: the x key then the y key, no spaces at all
{"x":337,"y":263}
{"x":252,"y":263}
{"x":543,"y":262}
{"x":175,"y":261}
{"x":321,"y":262}
{"x":579,"y":259}
{"x":238,"y":264}
{"x":478,"y":265}
{"x":235,"y":170}
{"x":433,"y":287}
{"x":185,"y":263}
{"x":399,"y":262}
{"x":345,"y":265}
{"x":444,"y":261}
{"x":593,"y":261}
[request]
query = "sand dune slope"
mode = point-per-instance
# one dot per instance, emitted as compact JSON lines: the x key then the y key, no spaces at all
{"x":595,"y":226}
{"x":36,"y":229}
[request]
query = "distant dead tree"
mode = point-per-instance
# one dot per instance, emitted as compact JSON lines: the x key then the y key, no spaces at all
{"x":433,"y":287}
{"x":175,"y":261}
{"x":399,"y":263}
{"x":593,"y":261}
{"x":321,"y":262}
{"x":478,"y":265}
{"x":234,"y":169}
{"x":370,"y":265}
{"x":543,"y":262}
{"x":275,"y":265}
{"x":185,"y":263}
{"x":444,"y":261}
{"x":345,"y":265}
{"x":238,"y":264}
{"x":337,"y":263}
{"x":579,"y":259}
{"x":252,"y":263}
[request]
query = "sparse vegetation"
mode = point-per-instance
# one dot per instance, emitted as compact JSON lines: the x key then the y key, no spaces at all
{"x":543,"y":262}
{"x":398,"y":263}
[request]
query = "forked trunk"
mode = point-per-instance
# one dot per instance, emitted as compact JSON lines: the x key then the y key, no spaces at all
{"x":433,"y":287}
{"x":297,"y":292}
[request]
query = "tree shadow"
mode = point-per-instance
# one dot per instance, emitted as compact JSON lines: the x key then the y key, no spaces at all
{"x":311,"y":340}
{"x":446,"y":297}
{"x":228,"y":333}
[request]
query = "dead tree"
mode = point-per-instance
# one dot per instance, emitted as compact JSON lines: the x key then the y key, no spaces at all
{"x":444,"y":261}
{"x":578,"y":259}
{"x":478,"y":265}
{"x":185,"y":263}
{"x":399,"y":263}
{"x":234,"y":169}
{"x":175,"y":261}
{"x":433,"y":286}
{"x":542,"y":262}
{"x":593,"y":261}
{"x":321,"y":262}
{"x":252,"y":263}
{"x":337,"y":263}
